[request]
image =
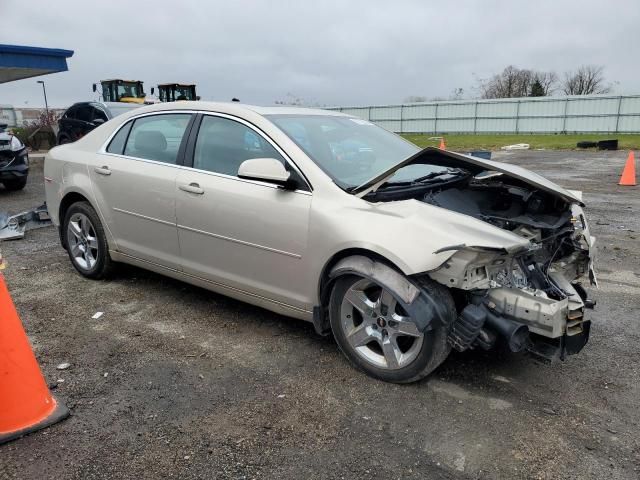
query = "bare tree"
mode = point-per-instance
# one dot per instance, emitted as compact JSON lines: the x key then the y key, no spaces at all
{"x":515,"y":82}
{"x":547,"y":80}
{"x":586,"y":80}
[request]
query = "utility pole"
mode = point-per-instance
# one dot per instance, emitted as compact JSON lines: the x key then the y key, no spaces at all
{"x":44,"y":90}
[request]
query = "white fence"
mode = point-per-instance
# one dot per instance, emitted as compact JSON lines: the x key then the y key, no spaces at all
{"x":574,"y":114}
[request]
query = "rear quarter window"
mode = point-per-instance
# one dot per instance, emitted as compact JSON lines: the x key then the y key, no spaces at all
{"x":117,"y":142}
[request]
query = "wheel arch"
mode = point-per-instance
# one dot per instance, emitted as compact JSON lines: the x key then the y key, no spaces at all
{"x":417,"y":301}
{"x":325,"y":283}
{"x":69,"y":199}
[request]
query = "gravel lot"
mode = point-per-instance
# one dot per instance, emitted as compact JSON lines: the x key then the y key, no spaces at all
{"x":177,"y":382}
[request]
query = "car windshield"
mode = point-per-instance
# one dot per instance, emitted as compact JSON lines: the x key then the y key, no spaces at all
{"x":350,"y":150}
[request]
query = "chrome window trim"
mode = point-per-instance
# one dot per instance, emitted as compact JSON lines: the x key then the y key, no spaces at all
{"x":287,"y":158}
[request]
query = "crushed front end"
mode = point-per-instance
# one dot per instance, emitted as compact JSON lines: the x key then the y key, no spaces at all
{"x":531,"y":298}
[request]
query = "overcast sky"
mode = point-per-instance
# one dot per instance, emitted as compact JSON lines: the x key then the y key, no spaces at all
{"x":329,"y":52}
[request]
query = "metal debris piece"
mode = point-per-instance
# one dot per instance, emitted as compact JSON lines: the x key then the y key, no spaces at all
{"x":13,"y":227}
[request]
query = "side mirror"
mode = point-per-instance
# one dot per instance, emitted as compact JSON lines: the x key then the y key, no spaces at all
{"x":153,"y":89}
{"x":265,"y":170}
{"x":98,"y":121}
{"x":94,"y":87}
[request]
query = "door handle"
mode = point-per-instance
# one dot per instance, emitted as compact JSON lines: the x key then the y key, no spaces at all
{"x":104,"y":170}
{"x":192,"y":188}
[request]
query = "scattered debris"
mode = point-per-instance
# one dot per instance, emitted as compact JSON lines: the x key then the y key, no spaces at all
{"x":97,"y":315}
{"x":105,"y":374}
{"x":549,"y":411}
{"x":13,"y":227}
{"x":516,"y":146}
{"x":63,"y":366}
{"x":281,"y":395}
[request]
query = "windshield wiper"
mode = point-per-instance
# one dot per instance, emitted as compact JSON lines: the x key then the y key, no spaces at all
{"x":426,"y":178}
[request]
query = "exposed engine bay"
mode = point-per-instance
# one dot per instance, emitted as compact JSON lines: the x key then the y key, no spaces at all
{"x":531,"y":297}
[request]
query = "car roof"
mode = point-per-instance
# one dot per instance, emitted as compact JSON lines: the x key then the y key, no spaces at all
{"x":239,"y":107}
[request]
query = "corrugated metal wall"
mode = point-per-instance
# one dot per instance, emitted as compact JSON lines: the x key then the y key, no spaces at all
{"x":576,"y":114}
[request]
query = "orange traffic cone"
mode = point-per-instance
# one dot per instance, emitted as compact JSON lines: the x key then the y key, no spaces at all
{"x":26,"y":405}
{"x":442,"y":144}
{"x":629,"y":172}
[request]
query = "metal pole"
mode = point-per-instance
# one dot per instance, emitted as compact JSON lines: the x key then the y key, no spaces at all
{"x":44,"y":90}
{"x":564,"y":116}
{"x":475,"y":118}
{"x":618,"y":114}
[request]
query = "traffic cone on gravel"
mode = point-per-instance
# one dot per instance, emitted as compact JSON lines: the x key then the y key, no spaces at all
{"x":442,"y":144}
{"x":629,"y":173}
{"x":26,"y":404}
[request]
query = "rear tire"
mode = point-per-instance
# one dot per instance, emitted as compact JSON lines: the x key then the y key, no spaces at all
{"x":13,"y":185}
{"x":86,"y":241}
{"x":412,"y":356}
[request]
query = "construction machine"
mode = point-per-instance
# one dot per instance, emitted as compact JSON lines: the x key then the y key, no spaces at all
{"x":171,"y":92}
{"x":117,"y":90}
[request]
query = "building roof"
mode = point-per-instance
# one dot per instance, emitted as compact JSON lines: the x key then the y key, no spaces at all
{"x":18,"y":61}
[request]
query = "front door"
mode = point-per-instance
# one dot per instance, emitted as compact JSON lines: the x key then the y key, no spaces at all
{"x":243,"y":234}
{"x":134,"y":184}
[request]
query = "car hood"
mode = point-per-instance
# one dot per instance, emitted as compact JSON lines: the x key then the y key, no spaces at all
{"x":444,"y":158}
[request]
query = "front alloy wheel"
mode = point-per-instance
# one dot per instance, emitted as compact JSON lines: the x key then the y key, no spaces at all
{"x":379,"y":336}
{"x":377,"y":327}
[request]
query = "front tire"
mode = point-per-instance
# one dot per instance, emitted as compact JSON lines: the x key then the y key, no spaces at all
{"x":86,"y":241}
{"x":379,"y":338}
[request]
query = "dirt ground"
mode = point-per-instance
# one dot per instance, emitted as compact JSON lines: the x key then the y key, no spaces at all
{"x":177,"y":382}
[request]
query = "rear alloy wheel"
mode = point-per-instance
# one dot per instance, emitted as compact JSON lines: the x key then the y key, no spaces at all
{"x":379,"y":337}
{"x":85,"y":241}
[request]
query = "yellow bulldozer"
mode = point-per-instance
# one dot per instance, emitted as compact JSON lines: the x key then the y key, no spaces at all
{"x":117,"y":90}
{"x":172,"y":92}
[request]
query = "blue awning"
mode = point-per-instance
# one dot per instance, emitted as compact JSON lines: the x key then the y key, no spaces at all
{"x":18,"y":62}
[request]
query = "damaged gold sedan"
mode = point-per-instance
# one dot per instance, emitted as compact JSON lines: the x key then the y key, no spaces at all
{"x":402,"y":254}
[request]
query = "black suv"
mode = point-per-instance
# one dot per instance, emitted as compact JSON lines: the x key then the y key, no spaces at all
{"x":80,"y":118}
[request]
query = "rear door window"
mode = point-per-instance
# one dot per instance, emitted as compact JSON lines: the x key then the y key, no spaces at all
{"x":157,"y":137}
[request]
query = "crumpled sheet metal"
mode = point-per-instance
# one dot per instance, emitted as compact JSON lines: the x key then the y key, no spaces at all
{"x":13,"y":227}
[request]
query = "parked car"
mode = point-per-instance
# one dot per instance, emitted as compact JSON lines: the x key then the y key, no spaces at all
{"x":82,"y":117}
{"x":401,"y":253}
{"x":14,"y":162}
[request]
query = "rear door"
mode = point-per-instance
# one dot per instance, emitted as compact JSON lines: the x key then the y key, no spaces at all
{"x":134,"y":183}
